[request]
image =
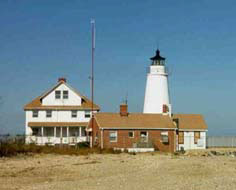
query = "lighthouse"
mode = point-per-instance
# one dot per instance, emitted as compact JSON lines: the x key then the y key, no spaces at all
{"x":157,"y":98}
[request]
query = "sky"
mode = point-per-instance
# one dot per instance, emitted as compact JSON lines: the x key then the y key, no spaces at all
{"x":43,"y":40}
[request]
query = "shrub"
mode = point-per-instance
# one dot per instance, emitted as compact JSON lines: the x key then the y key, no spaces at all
{"x":83,"y":145}
{"x":12,"y":149}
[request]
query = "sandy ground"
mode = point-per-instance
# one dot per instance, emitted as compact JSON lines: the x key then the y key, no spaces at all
{"x":118,"y":171}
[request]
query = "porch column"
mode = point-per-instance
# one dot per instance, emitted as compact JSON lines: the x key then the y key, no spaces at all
{"x":42,"y":131}
{"x":42,"y":140}
{"x":80,"y":131}
{"x":55,"y":131}
{"x":102,"y":139}
{"x":67,"y":131}
{"x":61,"y":135}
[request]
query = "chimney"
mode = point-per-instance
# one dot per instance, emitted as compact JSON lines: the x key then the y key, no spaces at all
{"x":165,"y":108}
{"x":61,"y":79}
{"x":124,"y":110}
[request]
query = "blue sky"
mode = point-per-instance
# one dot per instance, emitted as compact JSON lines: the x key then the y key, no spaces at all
{"x":43,"y":40}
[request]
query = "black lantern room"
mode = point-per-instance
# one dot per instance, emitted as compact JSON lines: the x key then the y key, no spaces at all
{"x":157,"y":59}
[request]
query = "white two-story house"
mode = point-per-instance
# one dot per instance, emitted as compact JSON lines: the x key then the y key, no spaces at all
{"x":59,"y":116}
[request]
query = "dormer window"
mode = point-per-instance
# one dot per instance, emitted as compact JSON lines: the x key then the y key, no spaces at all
{"x":35,"y":113}
{"x":58,"y":94}
{"x":65,"y":94}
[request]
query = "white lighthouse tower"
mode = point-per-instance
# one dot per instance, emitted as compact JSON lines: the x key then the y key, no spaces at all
{"x":156,"y":98}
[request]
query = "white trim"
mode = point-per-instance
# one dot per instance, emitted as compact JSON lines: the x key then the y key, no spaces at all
{"x":102,"y":139}
{"x":80,"y":131}
{"x":164,"y":133}
{"x":135,"y":149}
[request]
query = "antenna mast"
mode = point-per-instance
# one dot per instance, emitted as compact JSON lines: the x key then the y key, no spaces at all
{"x":92,"y":68}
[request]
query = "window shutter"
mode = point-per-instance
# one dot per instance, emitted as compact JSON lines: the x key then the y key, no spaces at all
{"x":181,"y":137}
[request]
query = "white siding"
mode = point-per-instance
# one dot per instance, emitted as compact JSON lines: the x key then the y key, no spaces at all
{"x":57,"y":116}
{"x":189,"y":141}
{"x":28,"y":130}
{"x":73,"y":100}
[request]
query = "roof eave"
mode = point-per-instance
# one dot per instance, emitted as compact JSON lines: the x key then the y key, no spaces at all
{"x":54,"y":108}
{"x":193,"y":129}
{"x":136,"y":128}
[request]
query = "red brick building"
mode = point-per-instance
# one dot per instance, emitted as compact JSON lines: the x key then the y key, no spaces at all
{"x":133,"y":130}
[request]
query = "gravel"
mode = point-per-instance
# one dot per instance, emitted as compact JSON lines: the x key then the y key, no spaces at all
{"x":119,"y":171}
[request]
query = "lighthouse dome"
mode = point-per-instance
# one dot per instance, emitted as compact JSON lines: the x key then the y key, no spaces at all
{"x":158,"y":59}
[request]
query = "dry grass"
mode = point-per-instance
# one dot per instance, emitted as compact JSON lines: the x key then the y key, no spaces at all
{"x":13,"y":149}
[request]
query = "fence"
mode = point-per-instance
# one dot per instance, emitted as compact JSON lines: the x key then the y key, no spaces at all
{"x":221,"y":141}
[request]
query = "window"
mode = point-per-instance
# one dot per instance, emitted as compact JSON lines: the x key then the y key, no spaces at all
{"x":196,"y":136}
{"x":65,"y":94}
{"x":35,"y":113}
{"x":83,"y":132}
{"x":58,"y":131}
{"x":74,"y":113}
{"x":113,"y":136}
{"x":36,"y":132}
{"x":64,"y":132}
{"x":49,"y":113}
{"x":74,"y":131}
{"x":48,"y":131}
{"x":58,"y":94}
{"x":181,"y":137}
{"x":131,"y":134}
{"x":87,"y":114}
{"x":164,"y":137}
{"x":144,"y":136}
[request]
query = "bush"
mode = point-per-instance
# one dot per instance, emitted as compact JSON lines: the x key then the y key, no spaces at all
{"x":83,"y":145}
{"x":13,"y":149}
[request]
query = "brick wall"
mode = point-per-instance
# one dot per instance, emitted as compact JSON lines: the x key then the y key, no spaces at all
{"x":124,"y":141}
{"x":154,"y":137}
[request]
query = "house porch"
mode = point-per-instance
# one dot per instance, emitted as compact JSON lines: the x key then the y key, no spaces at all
{"x":57,"y":135}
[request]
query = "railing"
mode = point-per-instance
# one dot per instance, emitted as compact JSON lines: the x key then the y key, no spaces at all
{"x":55,"y":140}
